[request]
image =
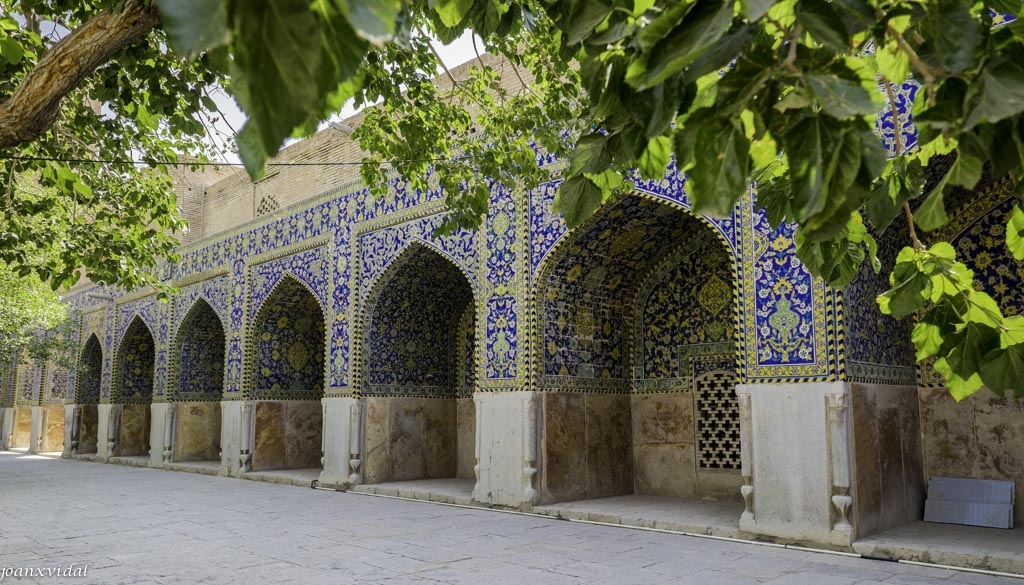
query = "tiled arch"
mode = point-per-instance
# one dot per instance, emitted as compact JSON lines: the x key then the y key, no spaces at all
{"x":132,"y":347}
{"x":199,"y":354}
{"x":431,"y":269}
{"x":253,"y":346}
{"x":90,"y":371}
{"x":603,"y":221}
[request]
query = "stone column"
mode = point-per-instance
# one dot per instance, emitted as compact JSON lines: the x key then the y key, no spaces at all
{"x":74,"y":431}
{"x":232,"y":415}
{"x":7,"y":431}
{"x":839,"y":443}
{"x":159,"y":415}
{"x":747,"y":519}
{"x":107,"y":430}
{"x":169,"y":426}
{"x":72,"y":424}
{"x":507,"y":446}
{"x":355,"y":441}
{"x":245,"y":444}
{"x":35,"y":437}
{"x":793,"y":451}
{"x":337,"y":433}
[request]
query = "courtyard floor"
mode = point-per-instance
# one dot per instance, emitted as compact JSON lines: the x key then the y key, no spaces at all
{"x":146,"y":526}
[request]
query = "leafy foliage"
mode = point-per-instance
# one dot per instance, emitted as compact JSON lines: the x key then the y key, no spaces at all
{"x":115,"y":220}
{"x":784,"y":91}
{"x":33,"y":320}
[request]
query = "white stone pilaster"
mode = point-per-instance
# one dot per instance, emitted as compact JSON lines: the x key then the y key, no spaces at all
{"x":337,"y":437}
{"x":507,"y":444}
{"x":795,"y":445}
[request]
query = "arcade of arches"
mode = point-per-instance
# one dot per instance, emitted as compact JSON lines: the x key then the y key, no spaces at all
{"x":648,"y":352}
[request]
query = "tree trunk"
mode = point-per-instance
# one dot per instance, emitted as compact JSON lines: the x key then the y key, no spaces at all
{"x":33,"y":108}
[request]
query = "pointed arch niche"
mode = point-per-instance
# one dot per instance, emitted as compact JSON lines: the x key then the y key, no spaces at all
{"x":288,"y":379}
{"x":636,"y":357}
{"x":198,"y":384}
{"x":133,"y":389}
{"x":419,"y":370}
{"x":87,"y":397}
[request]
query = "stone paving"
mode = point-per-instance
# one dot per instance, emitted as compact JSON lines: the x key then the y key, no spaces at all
{"x":147,"y":526}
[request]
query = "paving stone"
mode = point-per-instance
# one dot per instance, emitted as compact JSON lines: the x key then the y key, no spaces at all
{"x":136,"y":526}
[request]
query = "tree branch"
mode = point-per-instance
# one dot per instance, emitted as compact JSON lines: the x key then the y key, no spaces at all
{"x":36,"y":103}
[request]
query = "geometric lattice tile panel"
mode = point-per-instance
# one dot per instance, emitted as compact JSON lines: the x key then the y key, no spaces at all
{"x":719,"y":421}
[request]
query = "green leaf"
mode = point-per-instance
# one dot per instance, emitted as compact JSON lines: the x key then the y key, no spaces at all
{"x":753,"y":10}
{"x":932,"y":213}
{"x":808,"y":147}
{"x":983,"y":309}
{"x":893,"y":63}
{"x":959,"y":388}
{"x":658,"y":29}
{"x":289,"y":60}
{"x":1003,"y":369}
{"x":642,"y":6}
{"x":591,"y":154}
{"x":194,"y":26}
{"x":374,"y":20}
{"x":966,"y":171}
{"x":910,"y":289}
{"x":965,"y":349}
{"x":577,"y":199}
{"x":655,"y":157}
{"x":452,"y":12}
{"x":721,"y":172}
{"x":251,"y":151}
{"x":841,"y":98}
{"x":704,"y":25}
{"x":1015,"y":232}
{"x":943,"y":250}
{"x":11,"y":50}
{"x":823,"y":22}
{"x":996,"y":93}
{"x":927,"y":339}
{"x":584,"y":17}
{"x":953,"y":36}
{"x":1012,"y":332}
{"x":608,"y":181}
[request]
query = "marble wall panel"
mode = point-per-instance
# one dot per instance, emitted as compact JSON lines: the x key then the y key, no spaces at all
{"x":268,"y":439}
{"x":303,"y":437}
{"x":609,"y":445}
{"x":980,"y":437}
{"x":53,"y":428}
{"x":466,"y":438}
{"x":135,"y":428}
{"x":197,"y":433}
{"x":410,"y":438}
{"x":288,"y":435}
{"x":888,"y":479}
{"x":22,"y":427}
{"x":88,"y":425}
{"x":563,"y":448}
{"x":664,"y":450}
{"x":586,"y":446}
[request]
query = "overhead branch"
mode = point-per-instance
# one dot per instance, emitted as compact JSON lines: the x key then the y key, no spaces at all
{"x":34,"y":106}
